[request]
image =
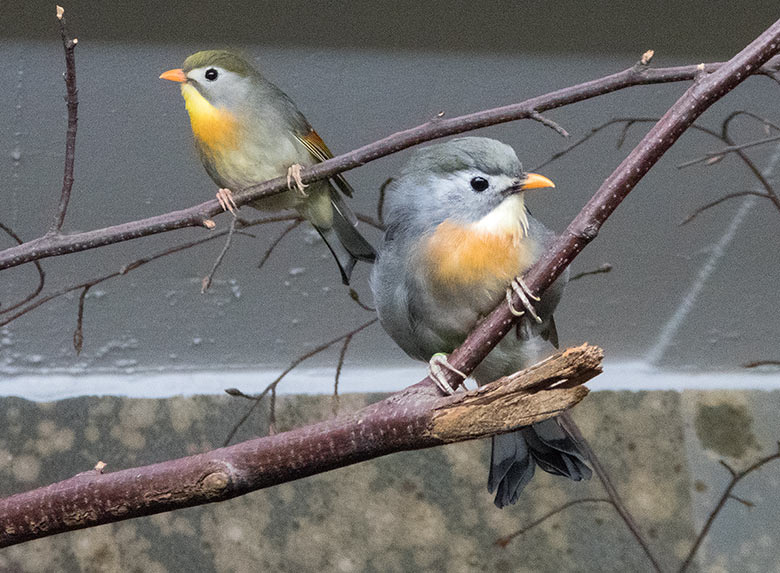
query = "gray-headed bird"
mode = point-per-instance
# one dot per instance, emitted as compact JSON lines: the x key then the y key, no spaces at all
{"x":458,"y":233}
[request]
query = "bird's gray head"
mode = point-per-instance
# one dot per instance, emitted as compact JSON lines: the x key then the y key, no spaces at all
{"x":463,"y":179}
{"x":224,"y":78}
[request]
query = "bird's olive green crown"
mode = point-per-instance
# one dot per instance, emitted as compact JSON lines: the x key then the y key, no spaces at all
{"x":229,"y":61}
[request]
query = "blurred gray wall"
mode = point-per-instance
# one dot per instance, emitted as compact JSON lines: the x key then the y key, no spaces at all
{"x":360,"y":71}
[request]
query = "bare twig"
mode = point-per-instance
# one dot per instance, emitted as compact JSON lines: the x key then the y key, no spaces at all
{"x":78,"y":333}
{"x":380,"y":205}
{"x":33,"y":304}
{"x":699,"y":210}
{"x":714,"y":156}
{"x":353,"y":294}
{"x":194,"y":216}
{"x":206,"y":282}
{"x":287,"y":230}
{"x":736,"y":477}
{"x":70,"y":135}
{"x":557,"y":128}
{"x":757,"y":363}
{"x":605,"y":268}
{"x":339,"y":366}
{"x":294,"y":364}
{"x":609,"y":487}
{"x":41,"y":274}
{"x":769,"y":192}
{"x":504,"y":541}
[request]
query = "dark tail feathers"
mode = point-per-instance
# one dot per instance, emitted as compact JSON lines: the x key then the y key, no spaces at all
{"x":514,"y":458}
{"x":345,"y":241}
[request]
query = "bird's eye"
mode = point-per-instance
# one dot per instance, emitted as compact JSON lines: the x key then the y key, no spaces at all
{"x":479,"y":184}
{"x":211,"y":74}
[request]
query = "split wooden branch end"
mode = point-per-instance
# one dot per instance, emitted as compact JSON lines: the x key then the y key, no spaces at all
{"x":531,"y":395}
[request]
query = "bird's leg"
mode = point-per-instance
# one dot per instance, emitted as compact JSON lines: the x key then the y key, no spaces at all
{"x":436,"y":366}
{"x":518,"y":287}
{"x":226,"y":201}
{"x":294,"y":174}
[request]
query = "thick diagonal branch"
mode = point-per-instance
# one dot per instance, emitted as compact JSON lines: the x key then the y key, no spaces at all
{"x":415,"y":418}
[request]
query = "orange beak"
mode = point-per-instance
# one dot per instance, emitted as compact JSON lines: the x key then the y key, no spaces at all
{"x":531,"y":180}
{"x":176,"y":75}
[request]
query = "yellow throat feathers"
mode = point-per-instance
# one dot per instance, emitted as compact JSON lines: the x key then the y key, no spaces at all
{"x":491,"y":251}
{"x":213,"y":127}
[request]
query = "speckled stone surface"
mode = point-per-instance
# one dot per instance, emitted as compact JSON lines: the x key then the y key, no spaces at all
{"x":418,"y":511}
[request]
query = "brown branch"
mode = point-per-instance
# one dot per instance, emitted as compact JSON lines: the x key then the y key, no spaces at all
{"x":206,"y":281}
{"x":415,"y":418}
{"x":339,"y":366}
{"x":504,"y":541}
{"x":129,"y":267}
{"x":757,"y":363}
{"x":610,"y":488}
{"x":736,"y":477}
{"x":78,"y":333}
{"x":380,"y":205}
{"x":41,"y":274}
{"x":70,"y":135}
{"x":699,"y":210}
{"x":715,"y":156}
{"x":603,"y":269}
{"x":639,"y":74}
{"x":287,"y":230}
{"x":292,"y":366}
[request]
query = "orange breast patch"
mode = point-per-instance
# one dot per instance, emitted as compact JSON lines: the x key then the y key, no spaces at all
{"x":457,"y":255}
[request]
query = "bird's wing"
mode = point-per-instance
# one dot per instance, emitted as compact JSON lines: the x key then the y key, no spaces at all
{"x":314,"y":145}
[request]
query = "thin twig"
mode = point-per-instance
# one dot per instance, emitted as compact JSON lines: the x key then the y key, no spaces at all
{"x":41,"y":274}
{"x":353,"y":294}
{"x":557,"y":128}
{"x":272,"y":413}
{"x":339,"y":366}
{"x":206,"y":282}
{"x":609,"y":487}
{"x":313,"y":352}
{"x":287,"y":230}
{"x":504,"y":541}
{"x":699,"y":210}
{"x":370,"y":221}
{"x":712,"y":156}
{"x":380,"y":206}
{"x":736,"y":477}
{"x":78,"y":333}
{"x":757,"y":363}
{"x":33,"y":304}
{"x":605,"y":268}
{"x":70,"y":135}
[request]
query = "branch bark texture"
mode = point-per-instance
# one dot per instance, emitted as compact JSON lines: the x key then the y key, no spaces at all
{"x":418,"y":417}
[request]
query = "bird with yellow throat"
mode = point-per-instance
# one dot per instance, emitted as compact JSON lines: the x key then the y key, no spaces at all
{"x":248,"y":131}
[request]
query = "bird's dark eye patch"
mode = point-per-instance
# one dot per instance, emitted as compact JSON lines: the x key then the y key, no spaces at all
{"x":211,"y":74}
{"x":479,"y":184}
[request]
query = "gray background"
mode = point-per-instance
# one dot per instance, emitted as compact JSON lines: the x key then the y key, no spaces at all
{"x":365,"y":72}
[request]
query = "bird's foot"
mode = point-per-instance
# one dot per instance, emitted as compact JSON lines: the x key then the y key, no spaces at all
{"x":294,"y":174}
{"x":436,"y":367}
{"x":226,"y":201}
{"x":521,"y":289}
